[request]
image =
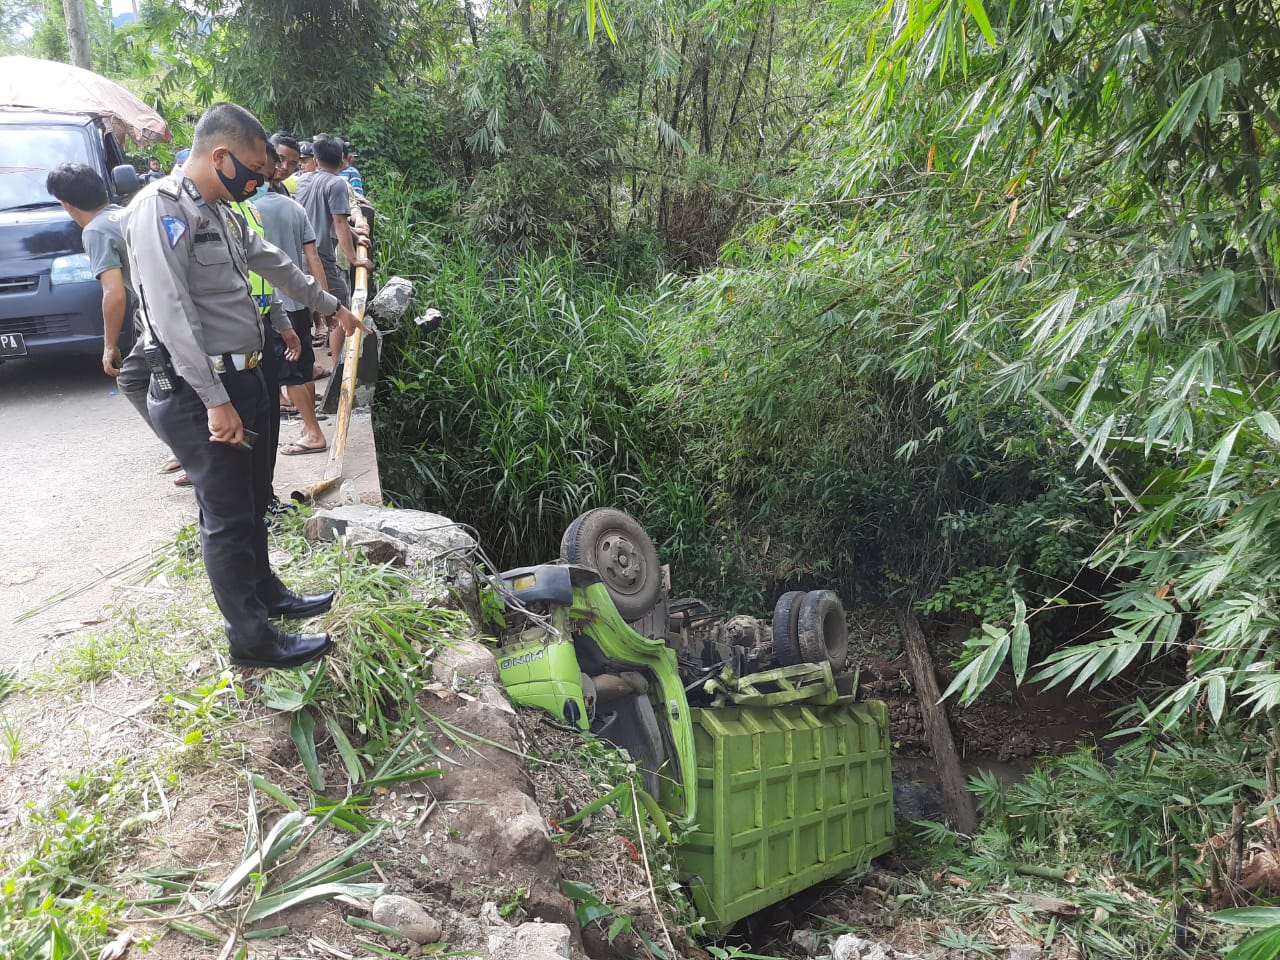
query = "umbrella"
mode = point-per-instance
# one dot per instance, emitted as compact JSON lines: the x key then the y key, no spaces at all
{"x":49,"y":85}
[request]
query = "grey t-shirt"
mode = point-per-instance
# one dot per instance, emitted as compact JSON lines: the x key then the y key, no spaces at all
{"x":324,"y":194}
{"x":103,"y":240}
{"x":288,"y":226}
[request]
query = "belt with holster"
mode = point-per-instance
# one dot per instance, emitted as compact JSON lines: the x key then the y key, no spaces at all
{"x":231,"y":362}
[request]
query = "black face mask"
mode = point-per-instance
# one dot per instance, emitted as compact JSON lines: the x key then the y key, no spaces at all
{"x":243,"y":185}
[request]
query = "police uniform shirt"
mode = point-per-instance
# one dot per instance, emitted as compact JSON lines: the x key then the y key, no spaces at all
{"x":190,"y":260}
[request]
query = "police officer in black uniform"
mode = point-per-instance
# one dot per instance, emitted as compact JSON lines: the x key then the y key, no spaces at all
{"x":190,"y":255}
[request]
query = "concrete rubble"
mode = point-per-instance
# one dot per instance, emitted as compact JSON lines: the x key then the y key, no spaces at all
{"x":428,"y":543}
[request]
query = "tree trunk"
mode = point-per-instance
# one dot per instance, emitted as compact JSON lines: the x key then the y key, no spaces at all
{"x":956,"y":797}
{"x":77,"y":33}
{"x":471,"y":23}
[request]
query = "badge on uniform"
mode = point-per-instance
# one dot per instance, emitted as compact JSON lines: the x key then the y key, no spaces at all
{"x":175,"y":228}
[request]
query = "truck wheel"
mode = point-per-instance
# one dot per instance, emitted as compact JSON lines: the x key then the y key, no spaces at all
{"x":614,"y":545}
{"x":822,"y":633}
{"x":786,"y":615}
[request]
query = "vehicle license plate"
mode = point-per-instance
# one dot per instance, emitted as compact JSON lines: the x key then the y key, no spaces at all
{"x":12,"y":345}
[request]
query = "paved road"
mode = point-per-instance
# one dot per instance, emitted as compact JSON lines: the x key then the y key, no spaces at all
{"x":79,"y":496}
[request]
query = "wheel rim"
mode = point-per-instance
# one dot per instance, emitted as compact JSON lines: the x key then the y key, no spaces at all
{"x":620,"y":564}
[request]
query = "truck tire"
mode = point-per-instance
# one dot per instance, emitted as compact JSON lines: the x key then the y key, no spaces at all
{"x":821,"y":630}
{"x":786,"y":618}
{"x":616,"y":546}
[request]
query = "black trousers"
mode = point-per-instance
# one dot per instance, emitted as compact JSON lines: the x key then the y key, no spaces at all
{"x":272,"y":379}
{"x":232,"y":488}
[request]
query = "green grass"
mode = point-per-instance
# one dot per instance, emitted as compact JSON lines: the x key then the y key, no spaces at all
{"x":60,"y":864}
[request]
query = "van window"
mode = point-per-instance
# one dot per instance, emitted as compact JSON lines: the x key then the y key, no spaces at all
{"x":29,"y":154}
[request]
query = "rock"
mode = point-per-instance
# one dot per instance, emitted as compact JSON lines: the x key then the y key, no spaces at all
{"x":526,"y":833}
{"x":808,"y":941}
{"x":467,"y":660}
{"x":852,"y":947}
{"x":534,"y":941}
{"x":1025,"y":951}
{"x":348,"y":493}
{"x":489,"y":914}
{"x":913,"y":800}
{"x":392,"y":300}
{"x":378,"y":547}
{"x":406,"y":917}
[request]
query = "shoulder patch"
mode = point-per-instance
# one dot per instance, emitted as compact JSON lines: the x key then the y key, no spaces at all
{"x":174,"y":228}
{"x":190,"y":187}
{"x":168,"y":188}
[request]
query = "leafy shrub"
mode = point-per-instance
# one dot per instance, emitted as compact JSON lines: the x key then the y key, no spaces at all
{"x":522,"y":411}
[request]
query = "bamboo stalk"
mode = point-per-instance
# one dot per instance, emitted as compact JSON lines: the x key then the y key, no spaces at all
{"x":347,"y":398}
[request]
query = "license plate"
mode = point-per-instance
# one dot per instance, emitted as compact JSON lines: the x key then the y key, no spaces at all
{"x":12,"y":345}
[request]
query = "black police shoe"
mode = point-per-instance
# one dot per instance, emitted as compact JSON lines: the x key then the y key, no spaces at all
{"x":293,"y":606}
{"x":283,"y":650}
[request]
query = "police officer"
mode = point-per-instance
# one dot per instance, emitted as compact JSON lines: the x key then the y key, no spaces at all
{"x":191,"y":255}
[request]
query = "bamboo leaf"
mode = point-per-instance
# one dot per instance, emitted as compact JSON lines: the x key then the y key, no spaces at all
{"x":1225,"y":446}
{"x":979,"y":14}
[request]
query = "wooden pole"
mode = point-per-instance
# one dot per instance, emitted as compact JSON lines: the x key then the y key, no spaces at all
{"x":350,"y":370}
{"x":77,"y":33}
{"x":955,"y":795}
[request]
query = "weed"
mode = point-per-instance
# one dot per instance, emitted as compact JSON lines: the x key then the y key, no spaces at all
{"x":10,"y":738}
{"x":513,"y":905}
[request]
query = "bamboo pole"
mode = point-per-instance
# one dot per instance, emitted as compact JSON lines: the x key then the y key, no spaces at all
{"x":350,"y":370}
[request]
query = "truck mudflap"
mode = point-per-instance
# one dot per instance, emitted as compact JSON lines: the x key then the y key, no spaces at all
{"x":787,"y":797}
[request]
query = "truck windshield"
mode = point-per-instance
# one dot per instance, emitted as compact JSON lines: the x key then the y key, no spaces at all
{"x":29,"y":153}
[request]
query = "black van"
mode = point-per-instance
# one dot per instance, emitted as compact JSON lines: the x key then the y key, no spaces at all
{"x":50,"y":302}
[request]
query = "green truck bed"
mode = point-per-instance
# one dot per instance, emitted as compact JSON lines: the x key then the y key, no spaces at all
{"x":787,"y":797}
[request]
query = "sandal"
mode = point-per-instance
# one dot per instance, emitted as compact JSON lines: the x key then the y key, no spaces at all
{"x":172,"y":465}
{"x":299,"y":449}
{"x":182,"y":480}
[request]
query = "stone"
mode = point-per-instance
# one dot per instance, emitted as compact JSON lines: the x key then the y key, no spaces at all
{"x":406,"y":917}
{"x":1025,"y":951}
{"x":535,"y":941}
{"x":378,"y":547}
{"x":466,"y":660}
{"x":852,"y":947}
{"x":526,"y":834}
{"x":808,"y":941}
{"x":392,"y":300}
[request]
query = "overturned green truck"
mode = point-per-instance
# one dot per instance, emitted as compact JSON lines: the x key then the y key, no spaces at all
{"x":748,"y":734}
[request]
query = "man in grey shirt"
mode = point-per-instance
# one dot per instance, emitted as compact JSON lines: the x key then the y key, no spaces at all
{"x":327,"y":201}
{"x":190,"y":255}
{"x":83,"y":196}
{"x":288,"y":226}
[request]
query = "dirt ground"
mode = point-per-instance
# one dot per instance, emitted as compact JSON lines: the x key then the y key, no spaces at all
{"x":83,"y":506}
